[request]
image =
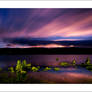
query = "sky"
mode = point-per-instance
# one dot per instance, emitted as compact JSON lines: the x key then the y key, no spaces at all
{"x":18,"y":26}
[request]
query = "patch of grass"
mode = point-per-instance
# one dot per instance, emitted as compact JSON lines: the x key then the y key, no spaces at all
{"x":64,"y":64}
{"x":35,"y":69}
{"x":56,"y":69}
{"x":89,"y":68}
{"x":47,"y":68}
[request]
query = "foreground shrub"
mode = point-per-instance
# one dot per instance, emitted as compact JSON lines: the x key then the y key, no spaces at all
{"x":34,"y":69}
{"x":89,"y":67}
{"x":19,"y":66}
{"x":11,"y":69}
{"x":64,"y":64}
{"x":47,"y":68}
{"x":74,"y":62}
{"x":56,"y":69}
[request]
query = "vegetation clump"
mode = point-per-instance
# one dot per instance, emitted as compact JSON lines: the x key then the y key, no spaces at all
{"x":87,"y":62}
{"x":64,"y":64}
{"x":47,"y":68}
{"x":56,"y":69}
{"x":35,"y":69}
{"x":89,"y":67}
{"x":18,"y":66}
{"x":74,"y":62}
{"x":11,"y":69}
{"x":57,"y":59}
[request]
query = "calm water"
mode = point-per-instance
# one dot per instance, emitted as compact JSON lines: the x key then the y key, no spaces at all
{"x":42,"y":59}
{"x":65,"y":75}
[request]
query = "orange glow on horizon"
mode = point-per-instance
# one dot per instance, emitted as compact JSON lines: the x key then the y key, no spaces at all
{"x":49,"y":46}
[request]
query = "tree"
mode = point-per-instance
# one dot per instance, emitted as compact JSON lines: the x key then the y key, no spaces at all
{"x":87,"y":61}
{"x":74,"y":62}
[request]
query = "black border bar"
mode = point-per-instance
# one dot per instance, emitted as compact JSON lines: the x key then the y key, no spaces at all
{"x":28,"y":51}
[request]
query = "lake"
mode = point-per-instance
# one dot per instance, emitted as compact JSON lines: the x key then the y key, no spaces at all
{"x":64,"y":75}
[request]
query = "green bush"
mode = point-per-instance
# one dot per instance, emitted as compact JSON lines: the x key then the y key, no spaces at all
{"x":87,"y":62}
{"x":47,"y":68}
{"x":24,"y":64}
{"x":74,"y":62}
{"x":64,"y":64}
{"x":28,"y":66}
{"x":23,"y":72}
{"x":23,"y":75}
{"x":56,"y":69}
{"x":11,"y":69}
{"x":89,"y":67}
{"x":19,"y":66}
{"x":34,"y":69}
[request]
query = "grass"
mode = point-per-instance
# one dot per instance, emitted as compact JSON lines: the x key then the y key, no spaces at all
{"x":56,"y":69}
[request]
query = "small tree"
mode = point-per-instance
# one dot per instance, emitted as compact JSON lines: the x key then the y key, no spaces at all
{"x":87,"y":61}
{"x":74,"y":62}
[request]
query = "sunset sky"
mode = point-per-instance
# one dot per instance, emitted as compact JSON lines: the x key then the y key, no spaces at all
{"x":47,"y":24}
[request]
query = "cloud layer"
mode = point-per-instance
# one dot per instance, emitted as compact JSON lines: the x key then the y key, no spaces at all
{"x":46,"y":24}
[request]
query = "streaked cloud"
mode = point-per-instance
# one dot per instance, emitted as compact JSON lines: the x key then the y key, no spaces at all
{"x":46,"y":24}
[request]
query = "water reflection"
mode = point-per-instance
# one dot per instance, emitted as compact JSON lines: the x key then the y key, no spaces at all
{"x":64,"y":76}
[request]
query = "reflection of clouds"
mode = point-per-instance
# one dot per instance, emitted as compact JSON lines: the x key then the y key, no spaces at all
{"x":49,"y":77}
